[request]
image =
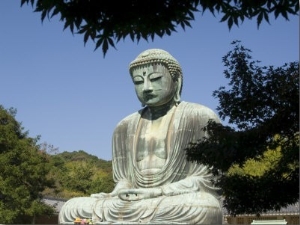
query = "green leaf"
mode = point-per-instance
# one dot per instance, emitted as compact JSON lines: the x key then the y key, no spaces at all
{"x":266,"y":16}
{"x":236,"y":21}
{"x":78,"y":22}
{"x":98,"y":43}
{"x":131,"y":34}
{"x":224,"y":18}
{"x":182,"y":23}
{"x":105,"y":46}
{"x":168,"y":31}
{"x":296,"y":10}
{"x":276,"y":13}
{"x":69,"y":23}
{"x":242,"y":17}
{"x":152,"y":35}
{"x":230,"y":22}
{"x":138,"y":37}
{"x":86,"y":37}
{"x":191,"y":15}
{"x":44,"y":14}
{"x":259,"y":18}
{"x":145,"y":36}
{"x":187,"y":23}
{"x":55,"y":11}
{"x":284,"y":14}
{"x":111,"y":42}
{"x":23,"y":1}
{"x":82,"y":30}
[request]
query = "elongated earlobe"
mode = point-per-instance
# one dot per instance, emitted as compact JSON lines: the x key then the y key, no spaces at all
{"x":177,"y":97}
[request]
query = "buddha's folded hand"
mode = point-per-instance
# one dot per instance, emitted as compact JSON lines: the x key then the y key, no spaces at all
{"x":139,"y":194}
{"x":100,"y":195}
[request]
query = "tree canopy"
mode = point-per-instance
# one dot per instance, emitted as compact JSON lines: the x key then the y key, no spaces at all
{"x":23,"y":173}
{"x":31,"y":171}
{"x":257,"y":157}
{"x":108,"y":22}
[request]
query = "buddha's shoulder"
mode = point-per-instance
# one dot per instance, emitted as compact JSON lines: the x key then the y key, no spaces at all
{"x":192,"y":107}
{"x":129,"y":119}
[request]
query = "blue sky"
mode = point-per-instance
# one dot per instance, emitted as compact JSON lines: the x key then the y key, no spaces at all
{"x":74,"y":97}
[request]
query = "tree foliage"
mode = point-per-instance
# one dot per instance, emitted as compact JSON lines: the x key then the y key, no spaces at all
{"x":262,"y":105}
{"x":78,"y":173}
{"x":30,"y":171}
{"x":107,"y":22}
{"x":23,"y":172}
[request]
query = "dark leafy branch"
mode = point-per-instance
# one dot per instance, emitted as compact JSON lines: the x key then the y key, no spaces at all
{"x":108,"y":22}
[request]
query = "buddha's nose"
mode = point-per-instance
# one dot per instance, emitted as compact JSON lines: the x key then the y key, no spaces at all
{"x":147,"y":86}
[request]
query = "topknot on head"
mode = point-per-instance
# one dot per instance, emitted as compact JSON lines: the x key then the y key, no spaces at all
{"x":158,"y":56}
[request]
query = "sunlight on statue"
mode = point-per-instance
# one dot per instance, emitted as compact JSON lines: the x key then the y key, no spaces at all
{"x":154,"y":181}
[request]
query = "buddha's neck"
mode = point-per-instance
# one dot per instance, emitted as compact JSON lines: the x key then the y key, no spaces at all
{"x":159,"y":111}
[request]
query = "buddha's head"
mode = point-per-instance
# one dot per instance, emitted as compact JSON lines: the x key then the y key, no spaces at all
{"x":157,"y":77}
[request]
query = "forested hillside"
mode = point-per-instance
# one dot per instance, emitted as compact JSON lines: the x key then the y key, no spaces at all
{"x":79,"y":174}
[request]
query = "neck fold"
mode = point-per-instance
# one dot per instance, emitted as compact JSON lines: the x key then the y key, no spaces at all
{"x":159,"y":111}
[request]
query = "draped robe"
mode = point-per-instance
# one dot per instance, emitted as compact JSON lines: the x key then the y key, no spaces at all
{"x":188,"y":196}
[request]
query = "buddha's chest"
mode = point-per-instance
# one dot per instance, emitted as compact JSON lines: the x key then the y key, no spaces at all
{"x":152,"y":138}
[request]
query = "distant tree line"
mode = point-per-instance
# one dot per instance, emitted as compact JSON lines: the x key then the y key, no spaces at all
{"x":79,"y":174}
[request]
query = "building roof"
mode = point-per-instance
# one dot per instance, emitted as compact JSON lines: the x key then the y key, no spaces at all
{"x":57,"y":203}
{"x":289,"y":210}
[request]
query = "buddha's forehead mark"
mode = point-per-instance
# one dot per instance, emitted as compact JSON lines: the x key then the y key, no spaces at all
{"x":144,"y":73}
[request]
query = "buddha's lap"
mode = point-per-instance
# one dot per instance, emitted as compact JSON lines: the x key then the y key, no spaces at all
{"x":86,"y":205}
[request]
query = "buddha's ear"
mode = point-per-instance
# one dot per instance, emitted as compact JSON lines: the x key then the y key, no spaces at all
{"x":177,"y":97}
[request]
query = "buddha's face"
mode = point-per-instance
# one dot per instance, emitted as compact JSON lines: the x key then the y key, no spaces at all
{"x":154,"y":85}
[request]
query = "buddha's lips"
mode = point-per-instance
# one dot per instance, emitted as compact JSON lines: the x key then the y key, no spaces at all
{"x":149,"y":96}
